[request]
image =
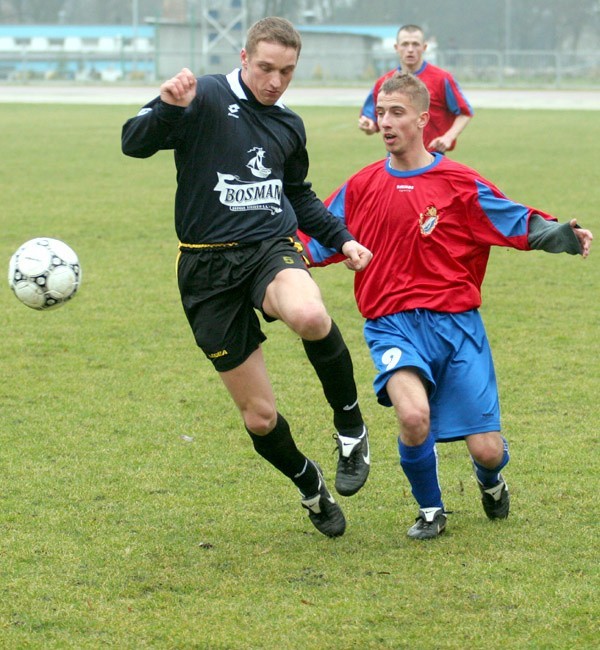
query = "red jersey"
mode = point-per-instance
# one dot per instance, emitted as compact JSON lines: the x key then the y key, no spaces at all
{"x":430,"y":231}
{"x":447,"y":100}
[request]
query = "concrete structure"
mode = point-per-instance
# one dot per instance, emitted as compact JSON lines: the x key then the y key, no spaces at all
{"x":107,"y":52}
{"x":210,"y":41}
{"x":327,"y":52}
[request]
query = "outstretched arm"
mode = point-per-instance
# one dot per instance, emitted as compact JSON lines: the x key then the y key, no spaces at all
{"x":584,"y":236}
{"x":552,"y":237}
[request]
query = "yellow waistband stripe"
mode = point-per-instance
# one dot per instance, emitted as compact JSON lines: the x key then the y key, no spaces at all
{"x":183,"y":247}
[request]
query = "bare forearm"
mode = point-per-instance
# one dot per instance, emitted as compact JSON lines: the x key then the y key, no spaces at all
{"x":459,"y":126}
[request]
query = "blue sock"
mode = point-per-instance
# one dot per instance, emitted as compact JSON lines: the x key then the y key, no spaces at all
{"x":490,"y":477}
{"x":420,"y":466}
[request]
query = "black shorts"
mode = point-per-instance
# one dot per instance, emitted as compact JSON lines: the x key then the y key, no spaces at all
{"x":222,"y":287}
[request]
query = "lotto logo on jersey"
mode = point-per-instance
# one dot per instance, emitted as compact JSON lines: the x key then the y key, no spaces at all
{"x":428,"y":220}
{"x":233,"y":110}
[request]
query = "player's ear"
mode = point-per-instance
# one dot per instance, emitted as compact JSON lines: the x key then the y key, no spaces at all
{"x":423,"y":119}
{"x":244,"y":57}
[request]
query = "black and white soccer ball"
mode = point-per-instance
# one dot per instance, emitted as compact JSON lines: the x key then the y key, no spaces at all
{"x":44,"y":273}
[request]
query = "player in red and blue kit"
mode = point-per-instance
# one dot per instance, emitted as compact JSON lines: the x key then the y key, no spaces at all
{"x":449,"y":109}
{"x":430,"y":223}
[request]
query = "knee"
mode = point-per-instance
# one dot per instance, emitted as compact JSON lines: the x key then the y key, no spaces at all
{"x":259,"y":419}
{"x":414,"y":425}
{"x":310,"y":320}
{"x":487,"y":449}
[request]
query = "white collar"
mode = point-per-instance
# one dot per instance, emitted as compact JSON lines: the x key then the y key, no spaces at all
{"x":233,"y":79}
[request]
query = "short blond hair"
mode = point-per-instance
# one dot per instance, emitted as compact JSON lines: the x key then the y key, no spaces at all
{"x":407,"y":84}
{"x":273,"y":30}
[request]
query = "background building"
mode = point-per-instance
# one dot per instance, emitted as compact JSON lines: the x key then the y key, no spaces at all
{"x":503,"y":43}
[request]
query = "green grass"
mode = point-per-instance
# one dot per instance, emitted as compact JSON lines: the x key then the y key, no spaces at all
{"x":134,"y":512}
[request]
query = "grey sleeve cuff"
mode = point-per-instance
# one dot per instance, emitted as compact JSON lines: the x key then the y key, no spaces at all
{"x":552,"y":237}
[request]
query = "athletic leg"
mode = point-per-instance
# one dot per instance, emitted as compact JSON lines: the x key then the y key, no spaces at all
{"x":489,"y":453}
{"x":418,"y":454}
{"x":216,"y":291}
{"x":294,"y":298}
{"x":251,"y":390}
{"x":252,"y":393}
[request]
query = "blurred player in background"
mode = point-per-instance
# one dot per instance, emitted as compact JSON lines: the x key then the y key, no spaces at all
{"x":449,"y":112}
{"x":430,"y":223}
{"x":241,"y":194}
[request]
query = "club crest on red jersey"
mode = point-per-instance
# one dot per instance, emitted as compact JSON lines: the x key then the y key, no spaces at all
{"x":428,"y":220}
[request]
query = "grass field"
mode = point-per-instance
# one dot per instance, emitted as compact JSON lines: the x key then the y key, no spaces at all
{"x":134,"y":512}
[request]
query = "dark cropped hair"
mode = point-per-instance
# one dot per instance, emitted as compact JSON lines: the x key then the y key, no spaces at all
{"x":410,"y":28}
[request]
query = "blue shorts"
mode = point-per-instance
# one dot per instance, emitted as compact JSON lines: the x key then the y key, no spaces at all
{"x":452,"y":354}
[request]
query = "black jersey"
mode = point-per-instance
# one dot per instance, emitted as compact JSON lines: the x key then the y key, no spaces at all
{"x":241,"y":166}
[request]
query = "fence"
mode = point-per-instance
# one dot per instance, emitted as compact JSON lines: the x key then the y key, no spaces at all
{"x":517,"y":68}
{"x":486,"y":68}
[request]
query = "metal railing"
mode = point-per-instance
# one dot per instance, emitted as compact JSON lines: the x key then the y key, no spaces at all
{"x":517,"y":67}
{"x":487,"y":68}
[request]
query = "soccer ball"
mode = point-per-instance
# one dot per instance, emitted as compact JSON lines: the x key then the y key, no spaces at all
{"x":44,"y":273}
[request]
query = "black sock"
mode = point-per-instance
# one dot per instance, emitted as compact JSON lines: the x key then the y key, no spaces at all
{"x":279,"y":449}
{"x":332,"y":362}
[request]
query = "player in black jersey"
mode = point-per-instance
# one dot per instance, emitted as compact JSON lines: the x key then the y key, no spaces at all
{"x":242,"y":193}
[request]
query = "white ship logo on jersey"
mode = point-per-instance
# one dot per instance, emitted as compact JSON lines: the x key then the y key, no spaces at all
{"x":255,"y":165}
{"x":233,"y":111}
{"x":239,"y":195}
